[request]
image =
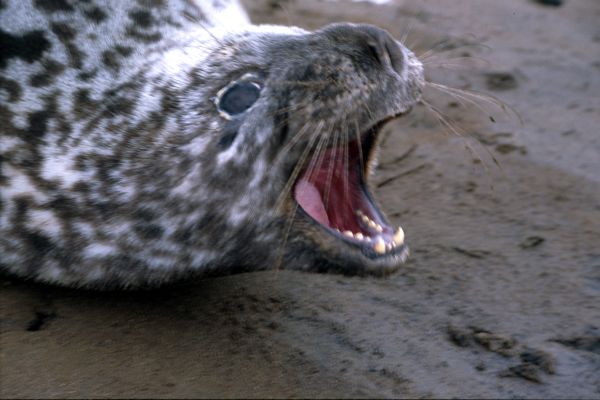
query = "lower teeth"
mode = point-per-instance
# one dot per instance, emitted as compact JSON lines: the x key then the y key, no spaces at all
{"x":380,"y":244}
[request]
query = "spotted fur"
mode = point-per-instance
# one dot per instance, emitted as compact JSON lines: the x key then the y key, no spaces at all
{"x":113,"y":167}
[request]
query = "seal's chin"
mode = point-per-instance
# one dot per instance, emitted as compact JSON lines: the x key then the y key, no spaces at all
{"x":333,"y":192}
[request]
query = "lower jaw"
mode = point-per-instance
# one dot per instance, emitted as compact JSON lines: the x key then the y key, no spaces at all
{"x":330,"y":253}
{"x":343,"y":259}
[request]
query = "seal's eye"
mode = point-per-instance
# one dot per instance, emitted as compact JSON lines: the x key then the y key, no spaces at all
{"x":238,"y":97}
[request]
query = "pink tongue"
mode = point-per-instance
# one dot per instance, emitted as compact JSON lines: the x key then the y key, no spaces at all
{"x":310,"y":200}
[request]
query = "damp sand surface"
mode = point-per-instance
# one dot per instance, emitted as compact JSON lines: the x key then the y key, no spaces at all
{"x":500,"y":297}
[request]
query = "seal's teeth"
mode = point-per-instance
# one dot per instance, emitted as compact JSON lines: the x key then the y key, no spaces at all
{"x":349,"y":234}
{"x":399,"y":237}
{"x":379,"y":246}
{"x":365,"y":219}
{"x":359,"y":236}
{"x":389,"y":246}
{"x":378,"y":228}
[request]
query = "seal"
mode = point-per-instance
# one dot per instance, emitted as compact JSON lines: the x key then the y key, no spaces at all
{"x":149,"y":141}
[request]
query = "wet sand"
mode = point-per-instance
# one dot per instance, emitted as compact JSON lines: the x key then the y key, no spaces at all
{"x":500,"y":297}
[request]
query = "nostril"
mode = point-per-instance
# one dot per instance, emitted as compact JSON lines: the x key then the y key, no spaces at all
{"x":384,"y":48}
{"x":376,"y":53}
{"x":396,"y":55}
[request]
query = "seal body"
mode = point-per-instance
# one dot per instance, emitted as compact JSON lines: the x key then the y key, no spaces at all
{"x":153,"y":140}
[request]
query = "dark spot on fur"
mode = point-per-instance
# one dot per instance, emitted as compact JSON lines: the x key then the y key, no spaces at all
{"x":125,"y":263}
{"x":76,"y":56}
{"x":51,"y":70}
{"x":28,"y":47}
{"x":168,"y":102}
{"x":119,"y":106}
{"x":87,"y":75}
{"x":183,"y":235}
{"x":230,"y":131}
{"x":95,"y":14}
{"x":144,"y":37}
{"x":142,"y":18}
{"x":83,"y":104}
{"x":51,"y":6}
{"x":124,"y":51}
{"x":38,"y":122}
{"x":64,"y":32}
{"x":106,"y":209}
{"x":148,"y":231}
{"x":64,"y":207}
{"x":151,"y":3}
{"x":143,"y":214}
{"x":111,"y":58}
{"x":37,"y":242}
{"x":12,"y":88}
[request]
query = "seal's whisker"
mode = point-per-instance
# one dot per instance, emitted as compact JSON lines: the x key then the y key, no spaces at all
{"x":318,"y":155}
{"x":435,"y":49}
{"x":286,"y":234}
{"x":201,"y":25}
{"x":301,"y":162}
{"x":297,"y":136}
{"x":444,"y":121}
{"x":297,"y":107}
{"x":346,"y":165}
{"x":476,"y":95}
{"x":330,"y":170}
{"x":297,"y":167}
{"x":358,"y":139}
{"x":293,"y":141}
{"x":456,"y":64}
{"x":289,"y":183}
{"x":404,"y":36}
{"x":460,"y":98}
{"x":433,"y":61}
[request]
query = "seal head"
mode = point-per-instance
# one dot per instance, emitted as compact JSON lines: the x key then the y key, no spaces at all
{"x":208,"y":152}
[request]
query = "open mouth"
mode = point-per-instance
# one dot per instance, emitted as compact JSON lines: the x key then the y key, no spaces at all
{"x":333,"y":192}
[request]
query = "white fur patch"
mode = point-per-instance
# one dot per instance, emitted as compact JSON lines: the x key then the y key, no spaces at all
{"x":44,"y":221}
{"x":99,"y":249}
{"x":60,"y":167}
{"x":19,"y":184}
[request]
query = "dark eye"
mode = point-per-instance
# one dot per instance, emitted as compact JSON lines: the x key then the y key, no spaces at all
{"x":238,"y":97}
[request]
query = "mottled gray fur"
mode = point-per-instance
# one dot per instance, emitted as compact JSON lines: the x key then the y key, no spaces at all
{"x":117,"y":169}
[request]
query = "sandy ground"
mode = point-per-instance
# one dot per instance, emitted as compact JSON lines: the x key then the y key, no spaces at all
{"x":500,"y":298}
